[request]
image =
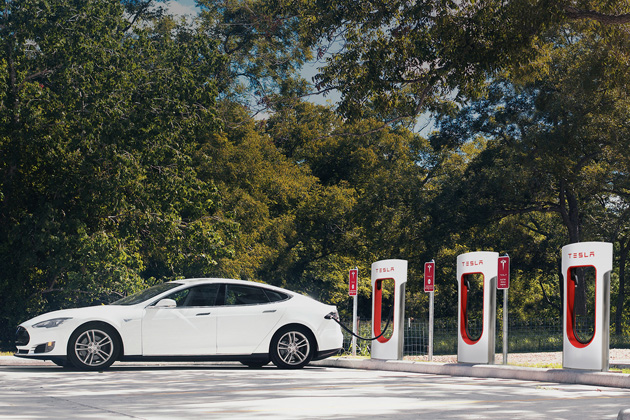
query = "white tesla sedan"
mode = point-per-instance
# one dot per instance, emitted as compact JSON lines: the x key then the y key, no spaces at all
{"x":195,"y":319}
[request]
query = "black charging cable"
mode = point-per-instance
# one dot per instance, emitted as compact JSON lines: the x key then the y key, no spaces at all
{"x":334,"y":318}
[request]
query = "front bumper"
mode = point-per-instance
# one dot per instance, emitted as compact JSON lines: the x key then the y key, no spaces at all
{"x":40,"y":343}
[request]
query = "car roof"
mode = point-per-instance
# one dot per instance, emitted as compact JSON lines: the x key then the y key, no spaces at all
{"x":210,"y":280}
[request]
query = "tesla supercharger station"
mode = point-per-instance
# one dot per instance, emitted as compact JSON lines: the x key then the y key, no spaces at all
{"x":586,"y":268}
{"x":477,"y":276}
{"x":388,"y":271}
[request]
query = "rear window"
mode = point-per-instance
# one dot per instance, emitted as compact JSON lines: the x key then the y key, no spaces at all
{"x":237,"y":294}
{"x":275,"y":296}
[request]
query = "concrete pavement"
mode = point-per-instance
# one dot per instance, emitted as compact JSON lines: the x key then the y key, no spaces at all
{"x":568,"y":376}
{"x":204,"y":390}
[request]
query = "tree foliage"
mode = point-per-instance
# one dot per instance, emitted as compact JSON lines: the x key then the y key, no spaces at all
{"x":402,"y":58}
{"x":133,"y":149}
{"x":100,"y":129}
{"x":553,"y":142}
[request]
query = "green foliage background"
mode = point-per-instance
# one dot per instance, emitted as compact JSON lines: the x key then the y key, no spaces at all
{"x":137,"y":148}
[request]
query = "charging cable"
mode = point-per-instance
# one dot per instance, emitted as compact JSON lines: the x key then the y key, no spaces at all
{"x":334,"y":317}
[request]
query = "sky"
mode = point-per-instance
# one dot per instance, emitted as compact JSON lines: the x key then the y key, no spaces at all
{"x":182,"y":7}
{"x":188,"y":7}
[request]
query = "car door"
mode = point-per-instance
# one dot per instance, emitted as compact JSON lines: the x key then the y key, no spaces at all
{"x":248,"y":315}
{"x":188,"y":329}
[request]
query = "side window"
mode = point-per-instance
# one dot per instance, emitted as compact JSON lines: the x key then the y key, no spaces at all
{"x":205,"y":295}
{"x":179,"y":297}
{"x":237,"y":294}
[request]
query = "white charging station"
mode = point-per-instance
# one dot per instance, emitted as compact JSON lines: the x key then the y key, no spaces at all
{"x":388,"y":348}
{"x":475,"y":343}
{"x":586,"y":312}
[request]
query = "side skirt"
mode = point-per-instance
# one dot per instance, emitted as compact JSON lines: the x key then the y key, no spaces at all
{"x":262,"y":357}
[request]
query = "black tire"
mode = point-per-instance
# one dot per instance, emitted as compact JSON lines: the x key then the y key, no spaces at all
{"x":292,"y":347}
{"x":93,"y":347}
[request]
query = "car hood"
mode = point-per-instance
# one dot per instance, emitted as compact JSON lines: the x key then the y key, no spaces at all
{"x":86,"y":312}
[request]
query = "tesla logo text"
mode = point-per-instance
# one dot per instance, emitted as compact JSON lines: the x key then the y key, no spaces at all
{"x":581,"y":254}
{"x":472,"y":263}
{"x":385,"y":270}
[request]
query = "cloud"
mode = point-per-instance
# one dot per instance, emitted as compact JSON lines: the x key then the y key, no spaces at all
{"x":181,"y":8}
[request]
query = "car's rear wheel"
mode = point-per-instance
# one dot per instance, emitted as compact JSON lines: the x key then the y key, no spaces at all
{"x":93,"y":347}
{"x":292,"y":348}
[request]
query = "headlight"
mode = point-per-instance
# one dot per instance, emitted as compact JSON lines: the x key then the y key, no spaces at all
{"x":51,"y":323}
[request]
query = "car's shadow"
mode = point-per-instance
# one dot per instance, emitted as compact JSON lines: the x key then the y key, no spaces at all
{"x":136,"y":368}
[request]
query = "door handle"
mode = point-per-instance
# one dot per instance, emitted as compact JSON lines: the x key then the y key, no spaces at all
{"x":203,"y":314}
{"x":269,"y":311}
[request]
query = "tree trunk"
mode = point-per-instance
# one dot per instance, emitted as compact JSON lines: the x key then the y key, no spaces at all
{"x":569,"y":210}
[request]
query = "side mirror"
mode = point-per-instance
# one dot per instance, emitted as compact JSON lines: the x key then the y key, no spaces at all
{"x":166,"y":303}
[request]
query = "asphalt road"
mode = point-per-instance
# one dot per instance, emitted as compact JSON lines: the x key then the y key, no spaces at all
{"x":218,"y":391}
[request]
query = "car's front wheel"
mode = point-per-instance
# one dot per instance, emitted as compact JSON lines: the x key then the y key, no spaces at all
{"x":292,"y":348}
{"x":93,"y":347}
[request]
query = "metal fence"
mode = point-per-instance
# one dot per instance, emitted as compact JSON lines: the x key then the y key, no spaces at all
{"x":540,"y":335}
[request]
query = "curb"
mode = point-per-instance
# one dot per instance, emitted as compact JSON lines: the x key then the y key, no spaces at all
{"x":568,"y":376}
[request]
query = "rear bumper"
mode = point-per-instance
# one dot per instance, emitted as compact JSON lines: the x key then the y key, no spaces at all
{"x":326,"y":353}
{"x":329,"y":338}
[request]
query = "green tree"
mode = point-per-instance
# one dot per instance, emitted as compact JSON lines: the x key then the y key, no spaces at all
{"x":263,"y":48}
{"x":261,"y":192}
{"x":402,"y":58}
{"x":369,"y":202}
{"x":555,"y":145}
{"x":101,"y":123}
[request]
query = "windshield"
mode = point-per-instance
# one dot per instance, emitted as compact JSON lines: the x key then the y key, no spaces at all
{"x":146,"y":294}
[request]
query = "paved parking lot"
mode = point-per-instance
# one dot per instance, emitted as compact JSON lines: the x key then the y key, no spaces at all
{"x":213,"y":391}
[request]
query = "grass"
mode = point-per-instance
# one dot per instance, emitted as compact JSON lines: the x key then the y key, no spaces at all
{"x":6,"y":353}
{"x":539,"y":365}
